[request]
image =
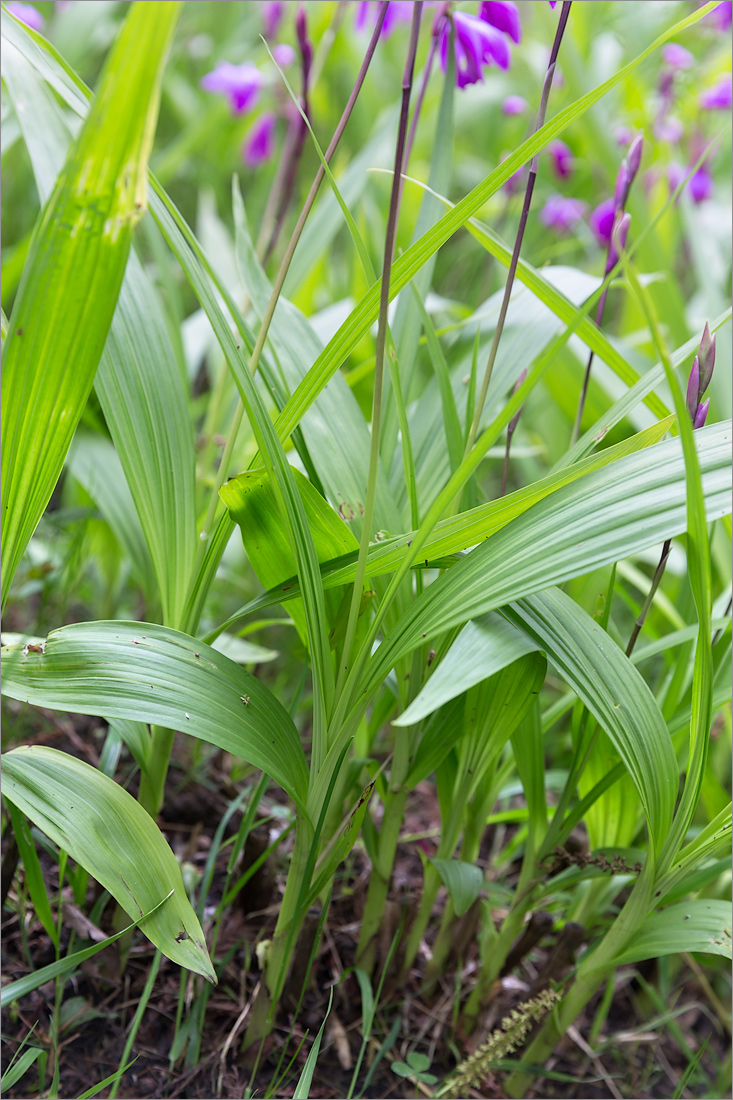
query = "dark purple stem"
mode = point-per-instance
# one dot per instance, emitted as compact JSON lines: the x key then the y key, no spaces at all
{"x":658,"y":573}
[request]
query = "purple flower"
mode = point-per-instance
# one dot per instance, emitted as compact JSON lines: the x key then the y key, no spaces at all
{"x":720,"y":96}
{"x":240,"y":83}
{"x":503,"y":15}
{"x":721,"y":16}
{"x":619,"y":234}
{"x":633,"y":157}
{"x":272,"y":14}
{"x":706,"y":358}
{"x":677,"y":56}
{"x":562,"y":159}
{"x":398,"y":11}
{"x":283,"y":54}
{"x":514,"y":105}
{"x":701,"y":183}
{"x":701,"y":415}
{"x":562,"y":214}
{"x":552,"y":3}
{"x":601,"y":221}
{"x":260,"y":143}
{"x":693,"y":388}
{"x":476,"y":44}
{"x":27,"y":14}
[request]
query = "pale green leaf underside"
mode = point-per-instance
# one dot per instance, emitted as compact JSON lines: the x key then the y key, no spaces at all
{"x":153,"y":674}
{"x":104,"y":829}
{"x":463,"y":881}
{"x":700,"y":924}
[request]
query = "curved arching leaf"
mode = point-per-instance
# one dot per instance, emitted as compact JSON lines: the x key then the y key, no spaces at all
{"x":154,"y":674}
{"x":104,"y":829}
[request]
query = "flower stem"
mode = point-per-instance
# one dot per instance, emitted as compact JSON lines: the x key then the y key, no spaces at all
{"x":531,"y":178}
{"x":380,"y":347}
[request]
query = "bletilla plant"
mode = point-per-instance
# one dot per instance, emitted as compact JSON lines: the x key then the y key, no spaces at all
{"x":426,"y":602}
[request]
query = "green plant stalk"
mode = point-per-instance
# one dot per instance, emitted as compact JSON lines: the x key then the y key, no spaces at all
{"x":389,"y":244}
{"x":152,"y":781}
{"x":389,"y":836}
{"x":592,"y":973}
{"x":531,"y":178}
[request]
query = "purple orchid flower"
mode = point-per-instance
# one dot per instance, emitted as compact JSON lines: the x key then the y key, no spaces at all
{"x":27,"y":14}
{"x":272,"y":16}
{"x":240,"y":83}
{"x":700,"y":185}
{"x":398,"y":11}
{"x":476,"y":44}
{"x":562,"y":214}
{"x":720,"y":96}
{"x":562,"y":159}
{"x":701,"y":374}
{"x":677,"y":56}
{"x":601,"y":221}
{"x":260,"y":143}
{"x":721,"y":16}
{"x":504,"y":15}
{"x":514,"y":105}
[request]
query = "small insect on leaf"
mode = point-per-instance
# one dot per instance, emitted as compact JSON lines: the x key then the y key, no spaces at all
{"x":245,"y":699}
{"x":182,"y":936}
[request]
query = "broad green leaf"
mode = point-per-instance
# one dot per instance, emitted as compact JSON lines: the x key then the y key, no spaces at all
{"x":94,"y":463}
{"x":613,"y":691}
{"x":483,"y":647}
{"x":253,"y":505}
{"x":700,"y":924}
{"x":104,"y":829}
{"x":150,"y":673}
{"x":73,"y":274}
{"x":610,"y":514}
{"x":138,"y":382}
{"x":463,"y":881}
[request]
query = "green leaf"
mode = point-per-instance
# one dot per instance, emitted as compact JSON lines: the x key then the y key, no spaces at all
{"x":700,"y":924}
{"x":610,"y":514}
{"x":302,"y":1088}
{"x":483,"y":647}
{"x":73,"y":274}
{"x":104,"y":829}
{"x":463,"y":881}
{"x":613,"y":691}
{"x":138,"y":381}
{"x":33,"y":874}
{"x":15,"y":1071}
{"x":153,"y":674}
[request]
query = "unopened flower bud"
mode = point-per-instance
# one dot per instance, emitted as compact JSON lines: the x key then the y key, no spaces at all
{"x":618,"y":239}
{"x":707,"y":358}
{"x":701,"y":414}
{"x":633,"y":157}
{"x":301,"y":31}
{"x":693,"y":388}
{"x":622,"y":186}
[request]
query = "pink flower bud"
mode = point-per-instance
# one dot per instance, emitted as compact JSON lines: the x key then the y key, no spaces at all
{"x":701,"y":414}
{"x":618,"y":239}
{"x":707,"y":358}
{"x":621,"y":190}
{"x":693,"y":388}
{"x":633,"y":157}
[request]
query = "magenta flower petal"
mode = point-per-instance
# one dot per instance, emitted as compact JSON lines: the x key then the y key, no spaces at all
{"x":398,"y":11}
{"x":27,"y":14}
{"x":260,"y":143}
{"x":514,"y":105}
{"x":701,"y":415}
{"x":272,"y":14}
{"x":552,"y":3}
{"x":677,"y":56}
{"x":700,"y":185}
{"x":504,"y":15}
{"x":721,"y":16}
{"x":720,"y":96}
{"x":476,"y":44}
{"x":562,"y":214}
{"x":240,"y":83}
{"x":601,"y":222}
{"x":283,"y":54}
{"x":562,"y":159}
